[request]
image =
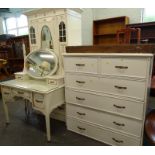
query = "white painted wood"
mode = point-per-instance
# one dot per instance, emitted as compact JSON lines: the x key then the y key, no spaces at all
{"x":106,"y":120}
{"x":108,"y":102}
{"x":81,"y":64}
{"x":45,"y":94}
{"x":101,"y":134}
{"x":124,"y":67}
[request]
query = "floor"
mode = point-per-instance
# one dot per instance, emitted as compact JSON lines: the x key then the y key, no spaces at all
{"x":22,"y":132}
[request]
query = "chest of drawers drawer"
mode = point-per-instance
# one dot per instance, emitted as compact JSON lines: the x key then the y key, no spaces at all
{"x":81,"y":64}
{"x":101,"y":134}
{"x":121,"y":87}
{"x":125,"y":67}
{"x":105,"y":103}
{"x":126,"y":125}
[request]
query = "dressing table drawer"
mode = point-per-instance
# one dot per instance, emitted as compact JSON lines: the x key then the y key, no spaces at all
{"x":38,"y":100}
{"x":22,"y":93}
{"x":108,"y":120}
{"x":6,"y":92}
{"x":125,"y":67}
{"x":81,"y":64}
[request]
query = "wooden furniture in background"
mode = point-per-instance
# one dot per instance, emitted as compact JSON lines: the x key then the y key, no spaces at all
{"x":127,"y":35}
{"x":104,"y":31}
{"x":11,"y":50}
{"x":147,"y":32}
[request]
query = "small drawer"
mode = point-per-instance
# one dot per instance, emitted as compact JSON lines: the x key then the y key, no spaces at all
{"x":81,"y":64}
{"x":18,"y":93}
{"x":125,"y":67}
{"x":101,"y":134}
{"x":6,"y":92}
{"x":105,"y":103}
{"x":82,"y":82}
{"x":38,"y":100}
{"x":107,"y":120}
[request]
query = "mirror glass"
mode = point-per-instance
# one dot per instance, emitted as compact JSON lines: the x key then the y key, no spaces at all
{"x":41,"y":63}
{"x":46,"y":38}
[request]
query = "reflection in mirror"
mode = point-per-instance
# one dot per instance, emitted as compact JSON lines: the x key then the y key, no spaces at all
{"x":46,"y":38}
{"x":41,"y":63}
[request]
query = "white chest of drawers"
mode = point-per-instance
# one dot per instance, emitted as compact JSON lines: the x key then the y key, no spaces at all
{"x":106,"y":95}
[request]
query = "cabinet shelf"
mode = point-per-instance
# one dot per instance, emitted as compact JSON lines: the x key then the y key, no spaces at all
{"x":104,"y":31}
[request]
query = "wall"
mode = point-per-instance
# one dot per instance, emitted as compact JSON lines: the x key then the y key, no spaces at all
{"x":1,"y":26}
{"x":134,"y":14}
{"x":87,"y":26}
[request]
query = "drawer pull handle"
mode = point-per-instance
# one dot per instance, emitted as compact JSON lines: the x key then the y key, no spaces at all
{"x":19,"y":92}
{"x":80,"y":113}
{"x":120,"y":87}
{"x":81,"y":99}
{"x":119,"y":124}
{"x":120,"y":107}
{"x":80,"y":128}
{"x":39,"y":101}
{"x":81,"y":65}
{"x":80,"y":81}
{"x":6,"y":93}
{"x":121,"y":67}
{"x":118,"y":141}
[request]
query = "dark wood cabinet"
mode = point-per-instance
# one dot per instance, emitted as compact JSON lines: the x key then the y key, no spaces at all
{"x":11,"y":50}
{"x":147,"y":32}
{"x":105,"y":30}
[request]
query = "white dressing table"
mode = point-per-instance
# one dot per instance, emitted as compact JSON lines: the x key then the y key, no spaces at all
{"x":46,"y":92}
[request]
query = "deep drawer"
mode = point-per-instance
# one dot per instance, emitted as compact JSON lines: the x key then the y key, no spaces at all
{"x":105,"y":103}
{"x":101,"y":134}
{"x":107,"y":120}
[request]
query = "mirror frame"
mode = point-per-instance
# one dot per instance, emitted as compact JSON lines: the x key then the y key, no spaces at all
{"x":52,"y":71}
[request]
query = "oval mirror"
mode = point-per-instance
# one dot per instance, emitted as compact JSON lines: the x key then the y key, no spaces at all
{"x":46,"y":38}
{"x":41,"y":63}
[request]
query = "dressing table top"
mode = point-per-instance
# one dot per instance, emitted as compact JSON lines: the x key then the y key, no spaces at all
{"x":31,"y":85}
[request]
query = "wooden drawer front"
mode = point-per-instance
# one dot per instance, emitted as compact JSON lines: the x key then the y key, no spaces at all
{"x":125,"y":67}
{"x":107,"y":120}
{"x":6,"y":92}
{"x":82,"y":82}
{"x":101,"y":134}
{"x":105,"y":103}
{"x":132,"y":89}
{"x":80,"y":64}
{"x":38,"y":100}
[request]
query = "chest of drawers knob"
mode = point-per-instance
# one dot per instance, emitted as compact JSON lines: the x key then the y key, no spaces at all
{"x":120,"y":87}
{"x":119,"y":107}
{"x":118,"y":141}
{"x":118,"y":124}
{"x":79,"y":98}
{"x":121,"y":67}
{"x":80,"y":128}
{"x":81,"y":82}
{"x":80,"y":113}
{"x":80,"y":65}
